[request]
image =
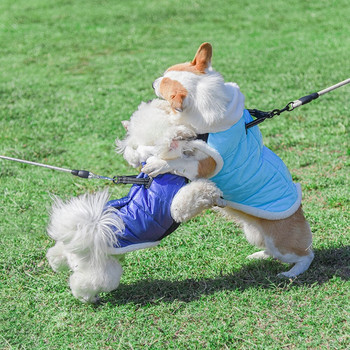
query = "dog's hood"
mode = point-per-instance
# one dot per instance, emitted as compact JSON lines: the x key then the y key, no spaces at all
{"x":208,"y":104}
{"x":219,"y":116}
{"x":235,"y":108}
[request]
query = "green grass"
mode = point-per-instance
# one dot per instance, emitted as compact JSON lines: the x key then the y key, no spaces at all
{"x":70,"y":71}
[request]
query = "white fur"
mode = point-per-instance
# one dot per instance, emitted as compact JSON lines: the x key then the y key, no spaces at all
{"x":152,"y":130}
{"x":83,"y":229}
{"x":200,"y":105}
{"x":302,"y":263}
{"x":207,"y":102}
{"x":190,"y":200}
{"x":187,"y":163}
{"x":83,"y":233}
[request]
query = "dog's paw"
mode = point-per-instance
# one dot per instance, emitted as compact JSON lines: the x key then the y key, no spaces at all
{"x":155,"y":166}
{"x":184,"y":133}
{"x":259,"y":255}
{"x":287,"y":275}
{"x":180,"y":214}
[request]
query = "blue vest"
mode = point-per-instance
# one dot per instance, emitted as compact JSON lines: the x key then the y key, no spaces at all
{"x":253,"y":179}
{"x":146,"y":212}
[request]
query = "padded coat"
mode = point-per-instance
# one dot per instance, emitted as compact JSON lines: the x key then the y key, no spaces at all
{"x":253,"y":179}
{"x":146,"y":212}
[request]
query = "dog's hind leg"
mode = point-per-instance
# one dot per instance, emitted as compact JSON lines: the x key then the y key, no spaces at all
{"x":300,"y":266}
{"x":289,"y":240}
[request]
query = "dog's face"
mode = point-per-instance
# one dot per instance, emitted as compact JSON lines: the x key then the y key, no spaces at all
{"x":172,"y":89}
{"x":194,"y":90}
{"x":152,"y":131}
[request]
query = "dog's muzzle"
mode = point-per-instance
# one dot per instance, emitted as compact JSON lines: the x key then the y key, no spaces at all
{"x":155,"y":86}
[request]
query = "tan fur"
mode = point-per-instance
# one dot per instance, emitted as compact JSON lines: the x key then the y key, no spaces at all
{"x":203,"y":57}
{"x":288,"y":240}
{"x":185,"y":67}
{"x":206,"y":167}
{"x":290,"y":235}
{"x":200,"y":62}
{"x":174,"y":92}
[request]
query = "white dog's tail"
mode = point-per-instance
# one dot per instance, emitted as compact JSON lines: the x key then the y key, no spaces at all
{"x":85,"y":226}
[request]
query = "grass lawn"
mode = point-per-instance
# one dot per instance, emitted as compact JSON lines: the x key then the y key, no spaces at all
{"x":70,"y":71}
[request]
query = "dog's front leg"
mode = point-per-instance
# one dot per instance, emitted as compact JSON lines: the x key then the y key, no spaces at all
{"x":183,"y":167}
{"x":187,"y":167}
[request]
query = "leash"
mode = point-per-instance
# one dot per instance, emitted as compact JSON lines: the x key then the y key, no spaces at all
{"x":85,"y":174}
{"x":261,"y":116}
{"x":132,"y":179}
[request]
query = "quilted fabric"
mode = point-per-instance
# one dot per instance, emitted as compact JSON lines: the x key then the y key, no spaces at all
{"x":253,"y":179}
{"x":146,"y":212}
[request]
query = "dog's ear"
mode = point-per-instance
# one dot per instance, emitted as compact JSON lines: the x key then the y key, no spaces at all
{"x":202,"y":59}
{"x":174,"y":92}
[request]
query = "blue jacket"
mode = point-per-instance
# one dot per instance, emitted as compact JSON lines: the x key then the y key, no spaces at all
{"x":146,"y":212}
{"x":253,"y":179}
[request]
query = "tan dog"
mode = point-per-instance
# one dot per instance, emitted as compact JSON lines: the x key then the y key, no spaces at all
{"x":256,"y":184}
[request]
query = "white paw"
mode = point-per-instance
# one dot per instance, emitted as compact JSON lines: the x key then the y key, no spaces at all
{"x":155,"y":166}
{"x":180,"y":214}
{"x":259,"y":255}
{"x":220,"y":202}
{"x":286,"y":275}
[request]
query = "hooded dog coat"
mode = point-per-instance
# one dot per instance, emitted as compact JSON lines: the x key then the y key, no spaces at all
{"x":253,"y":179}
{"x":146,"y":213}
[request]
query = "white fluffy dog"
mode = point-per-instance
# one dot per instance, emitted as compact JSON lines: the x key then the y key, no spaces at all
{"x":256,"y":184}
{"x":91,"y":232}
{"x":84,"y":235}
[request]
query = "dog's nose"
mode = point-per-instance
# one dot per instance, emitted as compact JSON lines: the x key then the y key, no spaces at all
{"x":155,"y":86}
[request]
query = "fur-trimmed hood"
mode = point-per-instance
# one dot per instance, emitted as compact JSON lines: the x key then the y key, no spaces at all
{"x":210,"y":104}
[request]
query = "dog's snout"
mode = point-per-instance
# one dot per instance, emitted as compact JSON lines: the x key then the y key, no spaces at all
{"x":155,"y":86}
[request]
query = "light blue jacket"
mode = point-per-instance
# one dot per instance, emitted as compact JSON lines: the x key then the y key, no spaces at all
{"x":253,"y":179}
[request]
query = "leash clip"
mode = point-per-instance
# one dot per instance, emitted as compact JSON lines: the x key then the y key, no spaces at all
{"x":261,"y":116}
{"x":133,"y":180}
